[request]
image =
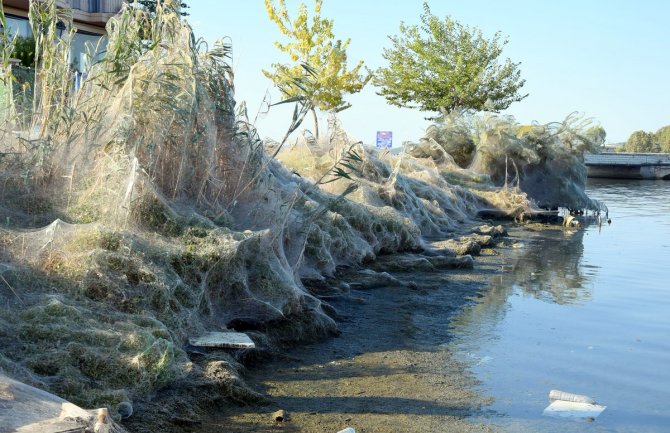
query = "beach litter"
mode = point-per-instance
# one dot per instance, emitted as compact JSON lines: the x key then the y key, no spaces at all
{"x":568,"y":405}
{"x":281,"y":416}
{"x":229,"y":340}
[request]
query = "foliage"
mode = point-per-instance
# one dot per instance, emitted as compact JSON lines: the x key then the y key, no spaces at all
{"x":649,"y":142}
{"x":503,"y":136}
{"x":596,"y":134}
{"x":453,"y":132}
{"x":150,"y":5}
{"x":16,"y":82}
{"x":52,"y":66}
{"x":191,"y":222}
{"x":544,"y":160}
{"x":462,"y":134}
{"x":444,"y":65}
{"x":24,"y":50}
{"x":662,"y":137}
{"x":7,"y":44}
{"x":313,"y":43}
{"x":641,"y":141}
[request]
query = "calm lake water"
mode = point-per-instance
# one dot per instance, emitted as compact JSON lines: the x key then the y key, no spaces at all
{"x":586,"y":312}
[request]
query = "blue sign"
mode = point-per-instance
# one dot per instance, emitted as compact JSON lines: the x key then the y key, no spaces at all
{"x":384,"y":139}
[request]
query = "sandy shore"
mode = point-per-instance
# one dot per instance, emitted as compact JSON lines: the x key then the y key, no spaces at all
{"x":391,"y":369}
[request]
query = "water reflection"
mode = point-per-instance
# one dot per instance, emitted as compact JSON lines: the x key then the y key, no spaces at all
{"x":548,"y":266}
{"x":585,"y":311}
{"x":551,"y":268}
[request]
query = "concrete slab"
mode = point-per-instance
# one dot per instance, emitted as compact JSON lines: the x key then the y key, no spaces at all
{"x":226,"y":340}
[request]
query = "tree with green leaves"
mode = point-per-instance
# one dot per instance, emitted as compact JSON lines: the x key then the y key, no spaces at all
{"x":596,"y":135}
{"x":662,"y":137}
{"x":444,"y":65}
{"x":150,"y":5}
{"x":641,"y":141}
{"x":318,"y":70}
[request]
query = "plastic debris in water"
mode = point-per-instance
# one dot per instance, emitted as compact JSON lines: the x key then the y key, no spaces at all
{"x":568,"y":405}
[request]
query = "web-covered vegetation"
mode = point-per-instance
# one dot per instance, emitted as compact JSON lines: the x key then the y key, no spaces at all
{"x":544,"y":161}
{"x":144,"y":209}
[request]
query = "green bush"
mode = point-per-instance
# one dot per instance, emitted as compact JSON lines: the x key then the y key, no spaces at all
{"x":24,"y":50}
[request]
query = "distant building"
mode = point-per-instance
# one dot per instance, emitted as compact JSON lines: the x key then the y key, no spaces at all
{"x":89,"y":16}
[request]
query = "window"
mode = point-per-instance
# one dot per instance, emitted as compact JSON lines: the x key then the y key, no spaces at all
{"x":82,"y":43}
{"x":18,"y":25}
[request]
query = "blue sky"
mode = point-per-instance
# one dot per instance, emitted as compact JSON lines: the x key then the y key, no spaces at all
{"x":607,"y":59}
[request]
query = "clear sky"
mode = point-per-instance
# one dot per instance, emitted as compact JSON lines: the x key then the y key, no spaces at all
{"x":607,"y":59}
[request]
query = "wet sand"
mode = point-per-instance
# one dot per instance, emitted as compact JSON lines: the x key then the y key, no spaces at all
{"x":390,"y":370}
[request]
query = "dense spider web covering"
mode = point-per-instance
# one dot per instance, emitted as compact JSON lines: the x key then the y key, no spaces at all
{"x":143,"y":209}
{"x":544,"y":161}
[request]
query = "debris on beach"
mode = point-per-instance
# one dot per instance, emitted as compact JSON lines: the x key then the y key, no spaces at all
{"x":145,"y":209}
{"x":225,"y":340}
{"x":281,"y":416}
{"x":27,"y":409}
{"x":568,"y":405}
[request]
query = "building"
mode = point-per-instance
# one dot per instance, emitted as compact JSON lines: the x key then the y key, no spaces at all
{"x":89,"y":16}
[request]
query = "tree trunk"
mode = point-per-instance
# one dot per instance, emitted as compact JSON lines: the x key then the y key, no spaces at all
{"x":316,"y":124}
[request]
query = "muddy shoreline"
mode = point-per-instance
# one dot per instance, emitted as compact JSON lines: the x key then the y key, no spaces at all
{"x":389,"y":370}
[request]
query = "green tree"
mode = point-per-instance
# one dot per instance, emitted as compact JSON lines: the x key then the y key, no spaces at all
{"x":313,"y":44}
{"x":150,"y":5}
{"x":662,"y":137}
{"x":596,"y":135}
{"x":641,"y":141}
{"x":444,"y":65}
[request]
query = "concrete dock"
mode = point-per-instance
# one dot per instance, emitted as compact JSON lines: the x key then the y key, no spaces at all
{"x":619,"y":165}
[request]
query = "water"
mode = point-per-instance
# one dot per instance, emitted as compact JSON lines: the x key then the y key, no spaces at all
{"x":586,"y":312}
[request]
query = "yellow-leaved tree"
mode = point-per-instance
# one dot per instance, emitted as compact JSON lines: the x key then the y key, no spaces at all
{"x":318,"y":72}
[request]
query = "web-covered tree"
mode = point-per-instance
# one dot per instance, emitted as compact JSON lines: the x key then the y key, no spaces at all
{"x":313,"y":44}
{"x":444,"y":65}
